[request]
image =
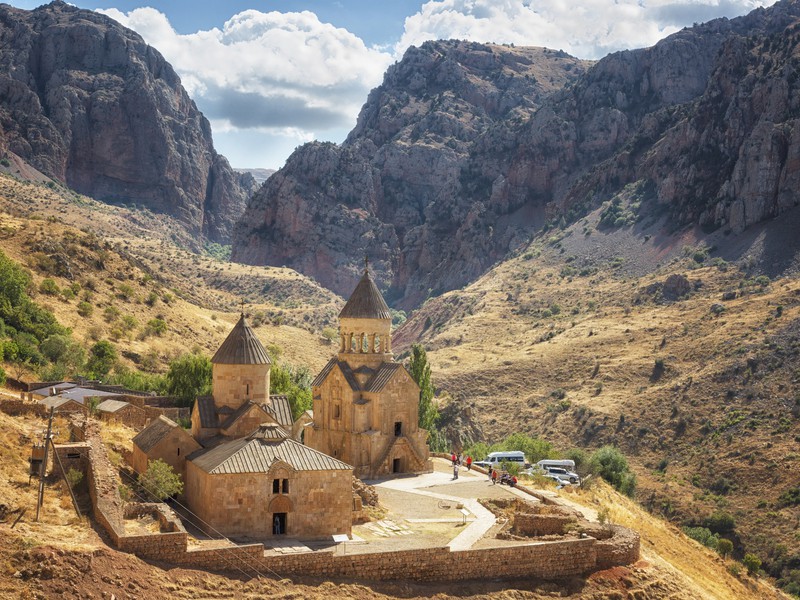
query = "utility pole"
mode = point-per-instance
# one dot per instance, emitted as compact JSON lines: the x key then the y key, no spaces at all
{"x":43,"y":470}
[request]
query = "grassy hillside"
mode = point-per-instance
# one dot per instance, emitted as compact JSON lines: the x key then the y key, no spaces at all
{"x":649,"y":341}
{"x":112,"y":273}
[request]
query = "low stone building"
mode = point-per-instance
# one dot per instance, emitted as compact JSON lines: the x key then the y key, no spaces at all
{"x":366,"y":405}
{"x":121,"y":412}
{"x":166,"y":440}
{"x":63,"y":405}
{"x":267,"y":484}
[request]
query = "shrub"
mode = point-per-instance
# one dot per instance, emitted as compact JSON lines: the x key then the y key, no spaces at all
{"x":610,"y":464}
{"x":189,"y":376}
{"x":720,"y":522}
{"x":724,"y":547}
{"x":704,"y":536}
{"x":85,"y":309}
{"x":752,"y":563}
{"x":73,"y":478}
{"x":102,"y":359}
{"x":49,"y":287}
{"x":156,"y":326}
{"x":160,"y":481}
{"x":790,"y":497}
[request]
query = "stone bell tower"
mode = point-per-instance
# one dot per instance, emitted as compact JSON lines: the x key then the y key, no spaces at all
{"x":366,"y":405}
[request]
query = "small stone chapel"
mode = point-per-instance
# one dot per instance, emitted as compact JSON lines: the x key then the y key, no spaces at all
{"x":366,"y":405}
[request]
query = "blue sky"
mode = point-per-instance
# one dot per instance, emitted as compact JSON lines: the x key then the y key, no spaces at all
{"x":271,"y":75}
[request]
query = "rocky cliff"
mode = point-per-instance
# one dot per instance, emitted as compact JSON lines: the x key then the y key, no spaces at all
{"x":398,"y":189}
{"x":466,"y":150}
{"x":87,"y":102}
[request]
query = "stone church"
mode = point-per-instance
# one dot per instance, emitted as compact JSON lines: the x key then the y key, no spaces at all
{"x":366,"y":405}
{"x":244,"y":473}
{"x":244,"y":476}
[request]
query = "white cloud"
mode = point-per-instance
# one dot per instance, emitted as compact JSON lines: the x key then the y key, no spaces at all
{"x":282,"y":78}
{"x":589,"y":29}
{"x":268,"y":69}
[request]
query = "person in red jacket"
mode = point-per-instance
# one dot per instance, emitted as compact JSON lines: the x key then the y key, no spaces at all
{"x":469,"y":463}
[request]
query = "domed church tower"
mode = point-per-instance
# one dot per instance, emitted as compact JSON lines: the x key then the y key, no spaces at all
{"x":366,"y":405}
{"x":240,"y":400}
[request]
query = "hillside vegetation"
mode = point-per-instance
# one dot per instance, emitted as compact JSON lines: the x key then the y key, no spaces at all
{"x":686,"y":362}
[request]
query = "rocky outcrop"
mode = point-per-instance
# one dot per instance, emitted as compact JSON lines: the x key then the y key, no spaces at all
{"x":401,"y":187}
{"x":466,"y":150}
{"x":87,"y":102}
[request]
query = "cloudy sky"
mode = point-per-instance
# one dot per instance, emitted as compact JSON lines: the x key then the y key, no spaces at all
{"x":271,"y":75}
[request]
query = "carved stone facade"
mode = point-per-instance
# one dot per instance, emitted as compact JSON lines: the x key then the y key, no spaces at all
{"x":366,"y":405}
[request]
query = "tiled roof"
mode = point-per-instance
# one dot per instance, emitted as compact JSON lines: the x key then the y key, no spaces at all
{"x":280,"y":408}
{"x":56,"y":402}
{"x":382,"y":376}
{"x":268,"y":431}
{"x":208,"y":413}
{"x":324,"y":373}
{"x":241,"y":347}
{"x":238,"y":413}
{"x":349,"y":376}
{"x":59,"y":387}
{"x":154,"y":433}
{"x":366,"y":302}
{"x":256,"y":455}
{"x":346,"y":371}
{"x":79,"y":394}
{"x":111,"y":406}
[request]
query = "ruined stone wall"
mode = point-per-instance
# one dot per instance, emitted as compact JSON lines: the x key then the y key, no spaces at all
{"x":620,"y":549}
{"x":16,"y":408}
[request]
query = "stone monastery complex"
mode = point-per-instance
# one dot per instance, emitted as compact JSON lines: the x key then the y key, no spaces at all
{"x":249,"y":469}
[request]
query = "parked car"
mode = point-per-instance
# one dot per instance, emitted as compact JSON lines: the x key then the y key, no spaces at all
{"x":496,"y":459}
{"x":563,"y":474}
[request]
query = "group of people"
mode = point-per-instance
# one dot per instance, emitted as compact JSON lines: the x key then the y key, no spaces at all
{"x":456,"y":459}
{"x":503,"y":477}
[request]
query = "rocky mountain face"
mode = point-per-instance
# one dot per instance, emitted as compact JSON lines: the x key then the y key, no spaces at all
{"x":88,"y":103}
{"x":398,"y":188}
{"x":466,"y":150}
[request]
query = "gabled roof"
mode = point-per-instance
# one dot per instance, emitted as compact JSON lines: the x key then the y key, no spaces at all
{"x":240,"y":412}
{"x":382,"y":376}
{"x":208,"y":413}
{"x":366,"y":301}
{"x":111,"y":406}
{"x":56,"y":402}
{"x":241,"y":347}
{"x":346,"y":371}
{"x":155,"y":431}
{"x":322,"y":375}
{"x":256,"y":455}
{"x":280,"y":409}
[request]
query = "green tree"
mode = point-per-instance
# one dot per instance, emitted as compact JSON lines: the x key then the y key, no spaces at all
{"x":102,"y":357}
{"x":294,"y":383}
{"x":189,"y":376}
{"x":752,"y":562}
{"x":534,"y":448}
{"x":160,"y":481}
{"x":420,"y":371}
{"x":724,"y":547}
{"x":55,"y":347}
{"x":611,"y":465}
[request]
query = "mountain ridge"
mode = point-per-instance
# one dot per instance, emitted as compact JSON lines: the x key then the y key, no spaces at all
{"x":88,"y":103}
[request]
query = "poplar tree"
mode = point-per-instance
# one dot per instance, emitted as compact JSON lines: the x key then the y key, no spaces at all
{"x":421,"y":373}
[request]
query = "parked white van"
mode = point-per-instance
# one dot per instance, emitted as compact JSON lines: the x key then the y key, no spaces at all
{"x":495,"y":459}
{"x":567,"y":464}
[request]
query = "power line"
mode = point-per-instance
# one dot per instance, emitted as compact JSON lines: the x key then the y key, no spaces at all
{"x":200,"y":523}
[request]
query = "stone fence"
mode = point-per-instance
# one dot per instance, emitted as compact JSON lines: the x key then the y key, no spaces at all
{"x":540,"y":559}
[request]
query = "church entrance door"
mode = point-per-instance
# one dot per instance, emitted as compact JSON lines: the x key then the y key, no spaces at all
{"x":279,"y":524}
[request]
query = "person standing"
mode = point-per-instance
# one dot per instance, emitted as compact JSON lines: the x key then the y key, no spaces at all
{"x":494,"y":477}
{"x":490,"y":472}
{"x":453,"y":458}
{"x":469,"y":462}
{"x":455,"y":470}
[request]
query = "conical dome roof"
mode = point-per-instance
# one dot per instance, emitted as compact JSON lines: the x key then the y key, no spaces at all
{"x":366,"y":301}
{"x":241,"y":347}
